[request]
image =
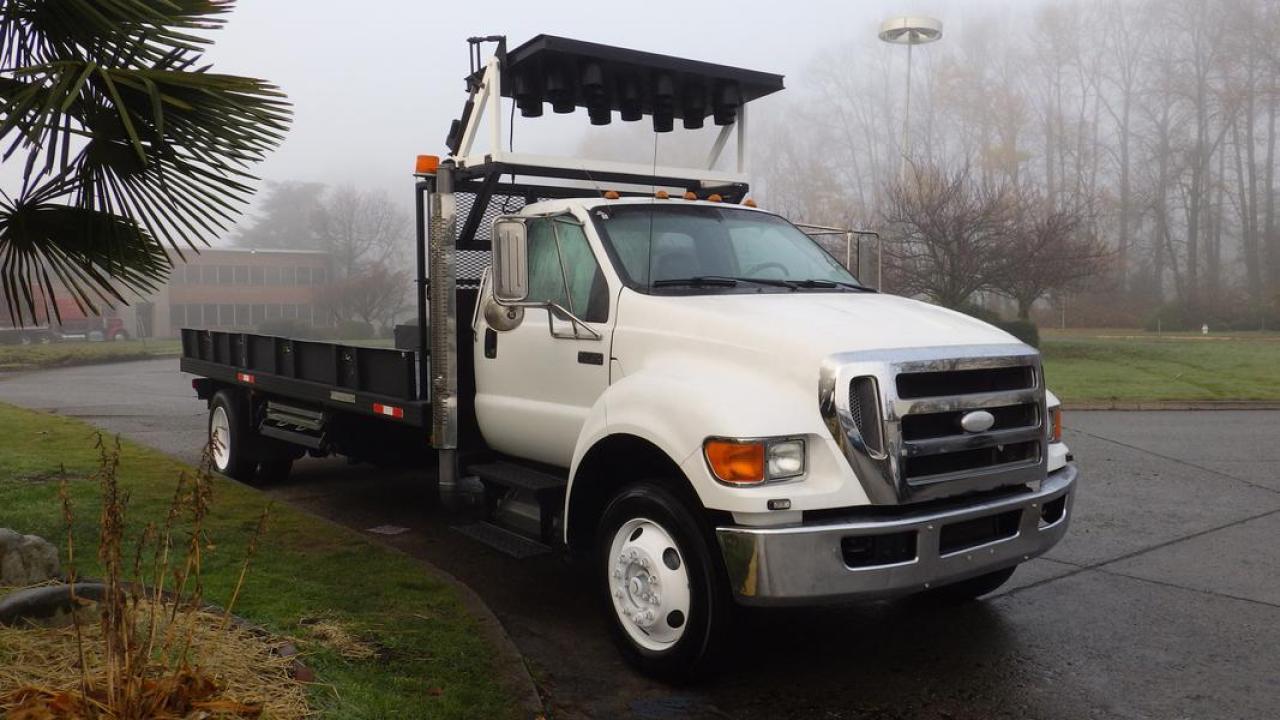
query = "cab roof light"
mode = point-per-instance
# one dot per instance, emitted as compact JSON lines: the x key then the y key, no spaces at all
{"x":612,"y":195}
{"x":662,"y":195}
{"x":749,"y":202}
{"x":426,"y":164}
{"x":714,"y":197}
{"x":690,"y":195}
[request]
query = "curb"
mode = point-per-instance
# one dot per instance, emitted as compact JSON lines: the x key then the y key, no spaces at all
{"x":1153,"y":405}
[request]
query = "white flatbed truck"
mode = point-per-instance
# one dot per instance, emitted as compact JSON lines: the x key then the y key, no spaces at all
{"x":663,"y":377}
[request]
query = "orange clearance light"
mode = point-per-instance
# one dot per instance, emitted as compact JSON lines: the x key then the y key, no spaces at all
{"x":714,"y":198}
{"x":749,"y":202}
{"x":734,"y":461}
{"x":661,"y":195}
{"x":426,"y":164}
{"x":689,"y":195}
{"x":1056,"y":435}
{"x":611,"y":195}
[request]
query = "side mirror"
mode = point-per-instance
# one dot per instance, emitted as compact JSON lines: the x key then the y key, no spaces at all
{"x":510,"y":261}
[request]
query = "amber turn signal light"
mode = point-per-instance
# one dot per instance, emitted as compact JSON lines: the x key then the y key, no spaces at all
{"x":734,"y":461}
{"x":1057,"y":425}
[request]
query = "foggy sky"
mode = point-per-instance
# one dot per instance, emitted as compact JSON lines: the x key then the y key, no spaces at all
{"x":375,"y":83}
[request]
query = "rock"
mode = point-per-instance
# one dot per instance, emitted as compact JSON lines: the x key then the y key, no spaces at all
{"x":26,"y":559}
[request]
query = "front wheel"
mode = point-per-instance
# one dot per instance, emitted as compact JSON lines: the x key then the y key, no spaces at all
{"x":666,"y":597}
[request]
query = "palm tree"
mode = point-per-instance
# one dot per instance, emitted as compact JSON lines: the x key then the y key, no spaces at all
{"x":131,"y":146}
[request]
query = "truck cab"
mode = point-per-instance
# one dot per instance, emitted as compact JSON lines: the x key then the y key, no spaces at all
{"x":679,"y":386}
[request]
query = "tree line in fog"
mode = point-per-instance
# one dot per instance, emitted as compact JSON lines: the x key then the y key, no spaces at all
{"x":1117,"y":155}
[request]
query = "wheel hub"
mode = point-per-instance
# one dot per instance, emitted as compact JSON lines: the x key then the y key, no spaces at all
{"x":649,"y":584}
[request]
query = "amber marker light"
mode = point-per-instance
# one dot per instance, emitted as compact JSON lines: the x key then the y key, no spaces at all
{"x":661,"y":195}
{"x":749,"y":203}
{"x":1056,"y":437}
{"x":689,"y":195}
{"x":735,"y":462}
{"x":714,"y":197}
{"x":426,"y":164}
{"x":611,"y":195}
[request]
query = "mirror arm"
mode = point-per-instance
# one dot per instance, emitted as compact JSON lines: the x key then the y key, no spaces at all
{"x":573,"y":319}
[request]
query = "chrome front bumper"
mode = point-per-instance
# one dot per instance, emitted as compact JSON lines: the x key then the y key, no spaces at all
{"x":805,"y":564}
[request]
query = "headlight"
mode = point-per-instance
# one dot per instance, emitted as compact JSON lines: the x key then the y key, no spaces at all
{"x":1055,"y":417}
{"x":756,"y":460}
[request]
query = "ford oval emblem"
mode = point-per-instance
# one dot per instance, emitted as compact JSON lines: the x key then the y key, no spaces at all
{"x":977,"y":421}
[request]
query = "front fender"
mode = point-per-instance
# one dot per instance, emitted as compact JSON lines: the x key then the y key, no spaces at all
{"x":678,"y":404}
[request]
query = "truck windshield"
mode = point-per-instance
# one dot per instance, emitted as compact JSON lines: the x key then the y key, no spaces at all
{"x":709,"y":249}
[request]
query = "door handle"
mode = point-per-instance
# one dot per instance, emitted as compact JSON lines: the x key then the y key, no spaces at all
{"x":591,"y":358}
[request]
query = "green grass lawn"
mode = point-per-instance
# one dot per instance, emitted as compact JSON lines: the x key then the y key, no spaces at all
{"x":432,"y":660}
{"x":1132,"y":366}
{"x":59,"y":354}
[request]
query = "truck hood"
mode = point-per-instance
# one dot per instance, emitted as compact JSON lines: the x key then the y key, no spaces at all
{"x":794,"y":329}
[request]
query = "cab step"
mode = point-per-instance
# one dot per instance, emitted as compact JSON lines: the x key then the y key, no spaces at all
{"x":503,"y":540}
{"x":519,"y":477}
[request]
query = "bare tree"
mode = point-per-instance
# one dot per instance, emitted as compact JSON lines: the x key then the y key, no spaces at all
{"x":360,"y":229}
{"x":948,"y":234}
{"x":1049,"y":250}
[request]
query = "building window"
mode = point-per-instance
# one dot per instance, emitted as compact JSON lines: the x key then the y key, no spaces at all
{"x":242,"y":316}
{"x":226,"y":314}
{"x":318,"y":276}
{"x":287,"y":276}
{"x":273,"y":312}
{"x":304,"y":276}
{"x":177,"y":316}
{"x":290,"y":312}
{"x":273,"y":276}
{"x":242,"y":275}
{"x":255,"y":275}
{"x":210,"y":315}
{"x":193,"y":316}
{"x":259,"y":313}
{"x":226,"y":275}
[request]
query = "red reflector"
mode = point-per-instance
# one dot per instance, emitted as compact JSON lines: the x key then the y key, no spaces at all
{"x":388,"y":410}
{"x":244,"y":378}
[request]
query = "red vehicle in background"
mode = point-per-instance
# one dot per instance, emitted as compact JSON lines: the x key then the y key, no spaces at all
{"x":73,"y":323}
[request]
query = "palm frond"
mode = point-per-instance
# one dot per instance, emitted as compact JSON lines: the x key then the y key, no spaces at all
{"x":122,"y":124}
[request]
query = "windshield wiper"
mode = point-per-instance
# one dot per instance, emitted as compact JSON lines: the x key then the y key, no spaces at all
{"x":697,"y":281}
{"x":815,"y":283}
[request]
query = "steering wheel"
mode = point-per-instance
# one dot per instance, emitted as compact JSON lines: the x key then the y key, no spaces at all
{"x":751,"y":271}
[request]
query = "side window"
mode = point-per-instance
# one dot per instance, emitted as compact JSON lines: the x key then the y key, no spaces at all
{"x":559,"y":251}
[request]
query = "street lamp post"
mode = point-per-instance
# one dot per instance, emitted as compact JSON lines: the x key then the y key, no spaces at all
{"x":909,"y":31}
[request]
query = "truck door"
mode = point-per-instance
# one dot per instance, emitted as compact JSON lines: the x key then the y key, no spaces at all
{"x":536,"y":383}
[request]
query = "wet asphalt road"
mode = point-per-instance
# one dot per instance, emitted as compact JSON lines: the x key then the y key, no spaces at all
{"x":1163,"y":601}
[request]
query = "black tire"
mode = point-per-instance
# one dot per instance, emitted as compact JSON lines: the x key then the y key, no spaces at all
{"x":971,"y":589}
{"x":239,"y":461}
{"x":707,"y":624}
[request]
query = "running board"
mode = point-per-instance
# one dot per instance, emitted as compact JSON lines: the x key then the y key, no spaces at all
{"x":518,"y":477}
{"x":503,"y":540}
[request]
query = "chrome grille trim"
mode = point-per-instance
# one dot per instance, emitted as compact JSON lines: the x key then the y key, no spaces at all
{"x":883,"y":474}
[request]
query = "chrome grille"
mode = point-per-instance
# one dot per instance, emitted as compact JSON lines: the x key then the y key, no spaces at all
{"x":919,"y":395}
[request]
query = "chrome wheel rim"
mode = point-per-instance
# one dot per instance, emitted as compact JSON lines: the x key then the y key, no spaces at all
{"x":220,"y":438}
{"x":649,"y":584}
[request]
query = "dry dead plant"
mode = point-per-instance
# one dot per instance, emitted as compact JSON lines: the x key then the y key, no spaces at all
{"x":154,"y":652}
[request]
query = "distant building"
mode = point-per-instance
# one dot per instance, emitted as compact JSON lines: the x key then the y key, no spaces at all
{"x":235,"y":289}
